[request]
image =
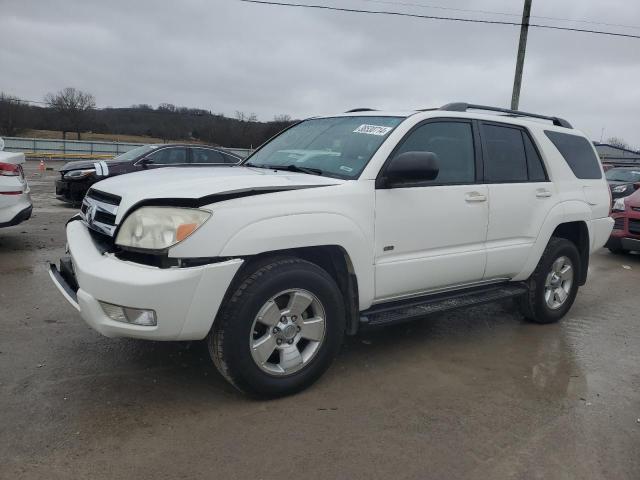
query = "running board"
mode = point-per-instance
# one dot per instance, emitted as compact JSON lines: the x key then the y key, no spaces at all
{"x":410,"y":309}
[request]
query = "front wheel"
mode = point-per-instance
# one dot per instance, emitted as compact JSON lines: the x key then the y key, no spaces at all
{"x":553,"y":286}
{"x":280,"y":330}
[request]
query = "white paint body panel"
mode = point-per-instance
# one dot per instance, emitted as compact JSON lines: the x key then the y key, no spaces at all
{"x":439,"y":239}
{"x":12,"y":205}
{"x":185,"y":299}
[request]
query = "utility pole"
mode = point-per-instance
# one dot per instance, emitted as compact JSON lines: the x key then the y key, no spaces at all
{"x":522,"y":48}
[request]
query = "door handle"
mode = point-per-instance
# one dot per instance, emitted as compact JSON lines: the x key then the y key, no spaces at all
{"x":475,"y":197}
{"x":542,"y":193}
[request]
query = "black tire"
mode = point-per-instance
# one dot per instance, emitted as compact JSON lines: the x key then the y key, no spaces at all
{"x":228,"y":340}
{"x":533,"y":304}
{"x":617,"y":251}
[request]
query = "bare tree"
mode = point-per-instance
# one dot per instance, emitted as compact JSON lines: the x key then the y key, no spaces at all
{"x":75,"y":108}
{"x":284,"y":118}
{"x":12,"y":115}
{"x":618,"y":142}
{"x":244,"y":117}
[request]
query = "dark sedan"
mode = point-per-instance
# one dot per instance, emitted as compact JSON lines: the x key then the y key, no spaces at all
{"x":76,"y":177}
{"x":623,"y":181}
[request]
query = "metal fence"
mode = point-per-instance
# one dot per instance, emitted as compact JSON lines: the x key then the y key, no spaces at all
{"x":53,"y":148}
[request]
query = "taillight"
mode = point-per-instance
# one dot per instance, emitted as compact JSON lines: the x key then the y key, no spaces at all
{"x":10,"y":170}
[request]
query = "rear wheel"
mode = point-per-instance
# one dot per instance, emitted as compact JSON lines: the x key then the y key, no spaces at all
{"x":553,"y":286}
{"x":280,"y":330}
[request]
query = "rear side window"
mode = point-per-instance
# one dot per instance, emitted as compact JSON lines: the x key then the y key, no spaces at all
{"x":578,"y":153}
{"x":205,"y":155}
{"x":505,"y":159}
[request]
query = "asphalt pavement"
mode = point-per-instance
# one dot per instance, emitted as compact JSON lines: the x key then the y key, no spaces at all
{"x":475,"y":394}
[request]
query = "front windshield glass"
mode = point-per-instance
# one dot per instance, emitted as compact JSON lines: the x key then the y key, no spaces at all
{"x":335,"y":147}
{"x":135,"y":153}
{"x":623,"y":175}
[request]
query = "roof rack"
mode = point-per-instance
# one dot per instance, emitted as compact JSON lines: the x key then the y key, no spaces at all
{"x":463,"y":107}
{"x":354,"y":110}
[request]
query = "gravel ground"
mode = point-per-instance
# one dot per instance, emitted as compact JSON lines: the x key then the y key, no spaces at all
{"x":476,"y":394}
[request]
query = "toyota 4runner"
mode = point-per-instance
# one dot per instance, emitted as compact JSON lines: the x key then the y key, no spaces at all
{"x":356,"y":220}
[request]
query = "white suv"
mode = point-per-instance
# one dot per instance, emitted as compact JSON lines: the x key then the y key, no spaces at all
{"x":356,"y":220}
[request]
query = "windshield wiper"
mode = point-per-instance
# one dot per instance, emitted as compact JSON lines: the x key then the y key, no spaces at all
{"x":253,"y":165}
{"x":294,"y":168}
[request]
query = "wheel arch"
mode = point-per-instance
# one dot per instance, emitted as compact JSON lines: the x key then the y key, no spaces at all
{"x":577,"y":233}
{"x":334,"y":259}
{"x":566,"y":220}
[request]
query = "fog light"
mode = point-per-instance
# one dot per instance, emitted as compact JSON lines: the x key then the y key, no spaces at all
{"x":137,"y":316}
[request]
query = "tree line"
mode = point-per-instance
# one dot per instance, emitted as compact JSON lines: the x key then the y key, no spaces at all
{"x":74,"y":111}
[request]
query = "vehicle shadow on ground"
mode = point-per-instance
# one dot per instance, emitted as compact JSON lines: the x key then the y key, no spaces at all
{"x":172,"y":367}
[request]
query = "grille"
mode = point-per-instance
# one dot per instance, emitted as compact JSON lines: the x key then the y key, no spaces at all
{"x":99,"y":211}
{"x":618,"y":223}
{"x":634,"y":226}
{"x":104,"y":197}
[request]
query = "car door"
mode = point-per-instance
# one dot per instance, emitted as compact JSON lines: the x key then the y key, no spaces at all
{"x":520,"y":196}
{"x":167,"y":157}
{"x":430,"y":235}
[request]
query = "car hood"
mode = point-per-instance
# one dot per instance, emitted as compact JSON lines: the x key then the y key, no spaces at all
{"x":633,"y":200}
{"x":85,"y":164}
{"x":203,"y":184}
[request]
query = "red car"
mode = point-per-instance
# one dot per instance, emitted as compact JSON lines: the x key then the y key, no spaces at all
{"x":626,"y":229}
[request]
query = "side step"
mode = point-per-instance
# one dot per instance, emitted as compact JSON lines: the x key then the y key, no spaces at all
{"x":405,"y":310}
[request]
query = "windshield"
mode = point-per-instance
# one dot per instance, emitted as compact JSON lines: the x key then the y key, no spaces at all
{"x":135,"y":153}
{"x":623,"y":175}
{"x":335,"y":147}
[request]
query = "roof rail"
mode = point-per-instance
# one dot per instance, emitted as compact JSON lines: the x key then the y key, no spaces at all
{"x":463,"y":107}
{"x":354,"y":110}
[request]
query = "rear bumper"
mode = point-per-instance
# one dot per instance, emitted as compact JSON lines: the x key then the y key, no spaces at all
{"x":600,"y":230}
{"x":15,"y":209}
{"x":185,"y":300}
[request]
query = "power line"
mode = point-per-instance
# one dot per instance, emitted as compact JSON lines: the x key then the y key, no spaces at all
{"x":435,"y":17}
{"x":492,"y":12}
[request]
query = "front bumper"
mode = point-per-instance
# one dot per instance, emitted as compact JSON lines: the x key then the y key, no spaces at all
{"x":72,"y":191}
{"x":186,"y":300}
{"x":626,"y":234}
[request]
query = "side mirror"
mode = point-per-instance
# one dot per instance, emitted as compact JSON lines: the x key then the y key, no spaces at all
{"x":412,"y":167}
{"x":146,"y":161}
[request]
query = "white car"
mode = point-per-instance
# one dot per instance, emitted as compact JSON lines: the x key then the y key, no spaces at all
{"x":15,"y":198}
{"x":393,"y":215}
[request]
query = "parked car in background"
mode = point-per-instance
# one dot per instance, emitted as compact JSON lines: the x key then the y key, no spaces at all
{"x":77,"y":177}
{"x":625,"y":236}
{"x":623,"y":181}
{"x":15,"y":199}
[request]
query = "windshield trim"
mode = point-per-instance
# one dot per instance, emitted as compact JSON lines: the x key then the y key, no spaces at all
{"x":324,"y":173}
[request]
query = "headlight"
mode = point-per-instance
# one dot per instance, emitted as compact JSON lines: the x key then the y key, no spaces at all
{"x":619,"y":188}
{"x":618,"y":205}
{"x":158,"y":228}
{"x":77,"y":174}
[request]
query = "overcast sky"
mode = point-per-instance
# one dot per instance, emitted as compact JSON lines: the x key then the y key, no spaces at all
{"x":225,"y":55}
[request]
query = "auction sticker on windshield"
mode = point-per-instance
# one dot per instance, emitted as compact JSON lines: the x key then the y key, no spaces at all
{"x":373,"y":130}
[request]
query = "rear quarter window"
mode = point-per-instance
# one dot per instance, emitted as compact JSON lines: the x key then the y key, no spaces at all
{"x":578,"y":153}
